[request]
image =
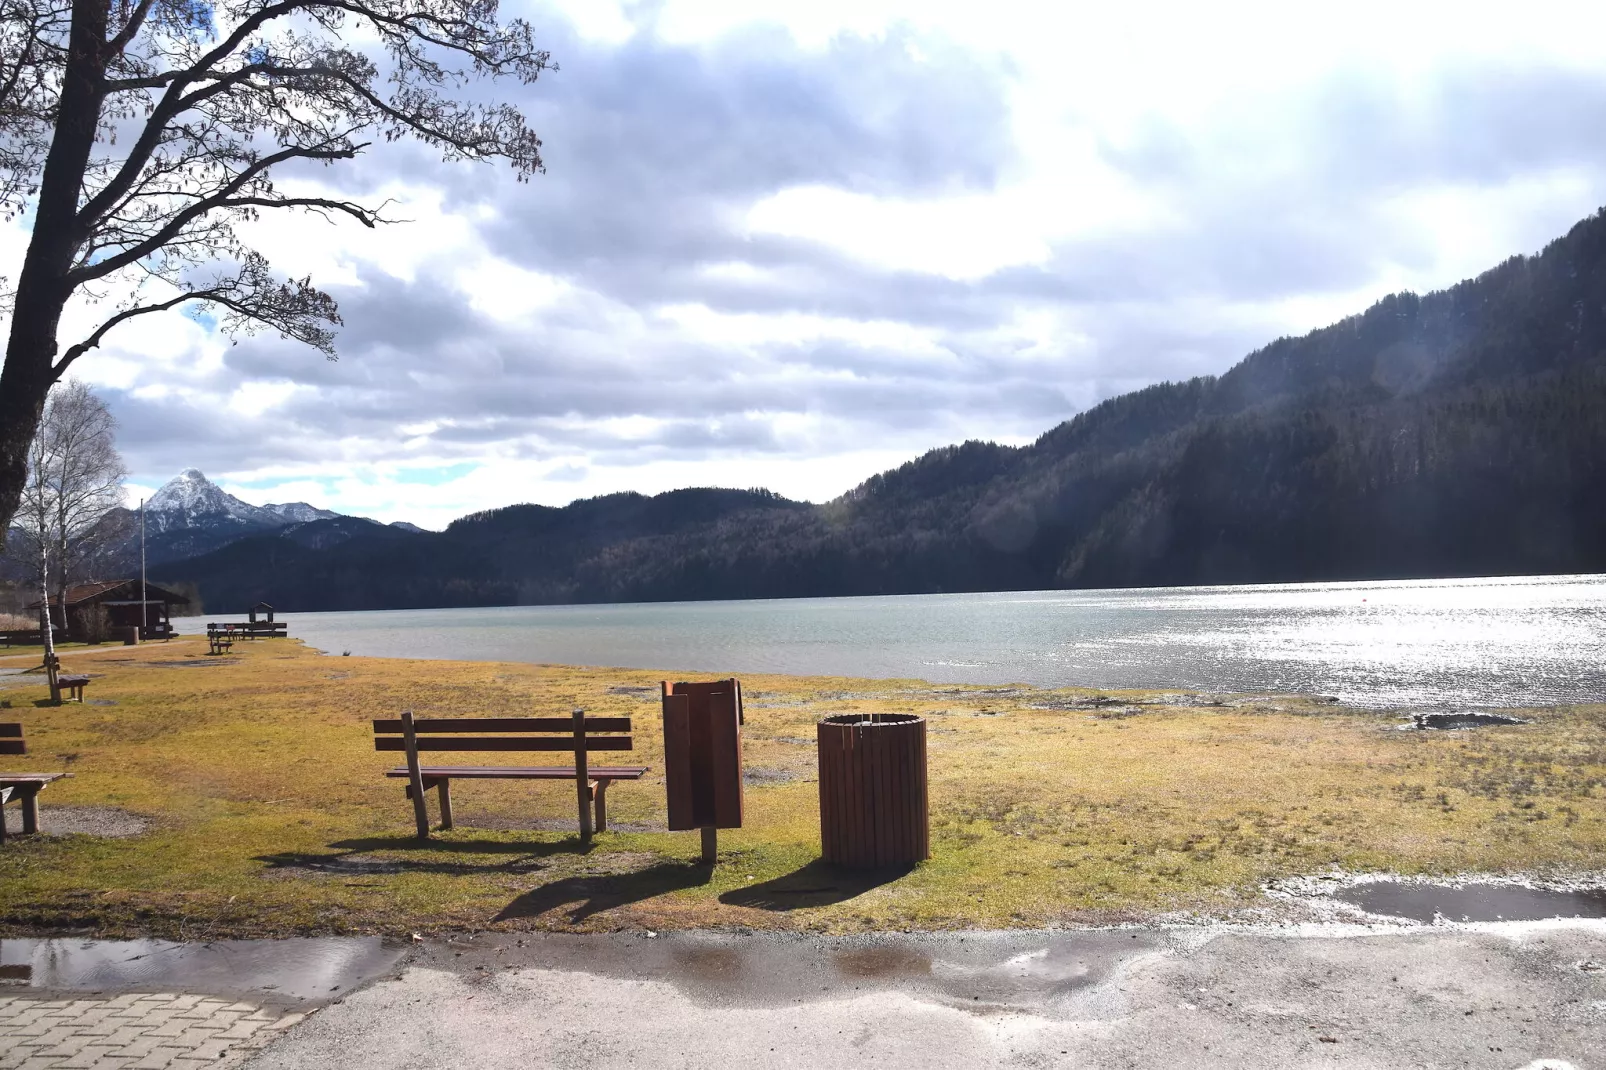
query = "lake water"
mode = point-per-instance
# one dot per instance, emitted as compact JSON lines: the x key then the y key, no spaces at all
{"x":1411,"y":643}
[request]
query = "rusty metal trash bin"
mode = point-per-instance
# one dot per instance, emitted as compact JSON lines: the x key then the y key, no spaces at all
{"x":873,"y":804}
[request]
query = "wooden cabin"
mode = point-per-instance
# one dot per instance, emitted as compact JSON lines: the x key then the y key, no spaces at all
{"x":121,"y":600}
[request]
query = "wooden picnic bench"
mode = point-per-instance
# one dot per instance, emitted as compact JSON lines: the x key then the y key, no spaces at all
{"x":72,"y":682}
{"x":23,"y":787}
{"x":577,"y":733}
{"x":221,"y":639}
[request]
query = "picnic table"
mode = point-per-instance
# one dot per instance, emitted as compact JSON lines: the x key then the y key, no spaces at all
{"x":23,"y":788}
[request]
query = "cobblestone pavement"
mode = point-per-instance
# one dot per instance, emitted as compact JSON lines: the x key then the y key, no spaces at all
{"x":134,"y":1031}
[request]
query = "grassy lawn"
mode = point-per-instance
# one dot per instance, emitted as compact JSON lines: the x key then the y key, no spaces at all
{"x":270,"y":816}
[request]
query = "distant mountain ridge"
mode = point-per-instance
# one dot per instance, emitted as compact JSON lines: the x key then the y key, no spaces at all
{"x":1458,"y":433}
{"x":190,"y":515}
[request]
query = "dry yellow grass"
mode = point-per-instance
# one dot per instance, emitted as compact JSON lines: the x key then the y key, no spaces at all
{"x":271,"y":816}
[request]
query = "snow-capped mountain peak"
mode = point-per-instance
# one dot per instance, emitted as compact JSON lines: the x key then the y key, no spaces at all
{"x":190,"y":496}
{"x":300,"y":512}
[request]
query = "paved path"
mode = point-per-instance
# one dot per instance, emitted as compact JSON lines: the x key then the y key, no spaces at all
{"x":161,"y":1031}
{"x":1514,"y":996}
{"x":1526,"y":997}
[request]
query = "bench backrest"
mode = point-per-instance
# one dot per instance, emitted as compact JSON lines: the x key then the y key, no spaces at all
{"x":578,"y":734}
{"x":11,"y":739}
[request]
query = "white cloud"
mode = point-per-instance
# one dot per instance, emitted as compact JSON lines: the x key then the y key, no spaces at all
{"x":792,"y":245}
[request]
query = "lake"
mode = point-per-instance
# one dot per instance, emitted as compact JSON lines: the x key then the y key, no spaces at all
{"x":1408,"y":643}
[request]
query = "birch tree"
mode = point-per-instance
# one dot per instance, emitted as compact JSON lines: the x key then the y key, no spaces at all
{"x":75,"y":479}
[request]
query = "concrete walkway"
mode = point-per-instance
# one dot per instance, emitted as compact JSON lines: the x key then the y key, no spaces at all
{"x":1529,"y":995}
{"x":1517,"y":996}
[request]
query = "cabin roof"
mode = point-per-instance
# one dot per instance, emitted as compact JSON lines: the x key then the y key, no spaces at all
{"x":115,"y":591}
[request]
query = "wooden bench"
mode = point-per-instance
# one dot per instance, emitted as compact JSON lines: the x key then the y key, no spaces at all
{"x":222,"y":640}
{"x":577,"y":733}
{"x":23,"y":787}
{"x":71,"y":682}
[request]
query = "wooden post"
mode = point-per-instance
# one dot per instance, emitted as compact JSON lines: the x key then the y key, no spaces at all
{"x":581,"y":779}
{"x":710,"y":845}
{"x":30,"y":811}
{"x":599,"y":792}
{"x":444,"y":788}
{"x":414,"y":777}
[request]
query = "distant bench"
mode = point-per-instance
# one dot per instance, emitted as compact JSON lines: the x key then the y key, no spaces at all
{"x":221,"y":639}
{"x":23,"y":638}
{"x":578,"y":734}
{"x":252,"y":629}
{"x":22,"y":787}
{"x":71,"y":682}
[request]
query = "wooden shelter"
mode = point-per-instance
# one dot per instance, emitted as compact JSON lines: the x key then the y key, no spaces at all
{"x":122,"y":601}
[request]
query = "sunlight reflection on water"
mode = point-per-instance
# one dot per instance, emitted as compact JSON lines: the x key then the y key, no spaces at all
{"x":1418,"y":643}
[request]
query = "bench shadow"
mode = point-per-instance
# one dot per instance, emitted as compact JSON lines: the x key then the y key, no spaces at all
{"x":594,"y":894}
{"x":818,"y":884}
{"x":356,"y":857}
{"x":571,"y":845}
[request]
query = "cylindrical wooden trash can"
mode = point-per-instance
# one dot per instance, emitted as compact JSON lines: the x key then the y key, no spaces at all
{"x":873,"y":809}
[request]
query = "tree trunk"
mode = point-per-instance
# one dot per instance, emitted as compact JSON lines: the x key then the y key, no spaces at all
{"x":42,"y":285}
{"x":46,"y":632}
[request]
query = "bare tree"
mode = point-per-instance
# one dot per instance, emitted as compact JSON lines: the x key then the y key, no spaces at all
{"x":75,"y":479}
{"x":143,"y":132}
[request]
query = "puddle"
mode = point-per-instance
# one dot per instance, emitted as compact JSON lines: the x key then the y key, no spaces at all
{"x":1472,"y":902}
{"x":1450,"y":721}
{"x":976,"y":972}
{"x":296,"y":970}
{"x":884,"y":961}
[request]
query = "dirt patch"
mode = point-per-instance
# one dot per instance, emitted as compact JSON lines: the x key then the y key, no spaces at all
{"x":105,"y":821}
{"x":758,"y":776}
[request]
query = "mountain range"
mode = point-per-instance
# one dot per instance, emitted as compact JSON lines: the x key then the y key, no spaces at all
{"x":190,"y":516}
{"x":1462,"y":432}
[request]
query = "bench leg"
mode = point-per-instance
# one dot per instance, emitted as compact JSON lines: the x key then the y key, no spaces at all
{"x":599,"y":793}
{"x":30,"y":811}
{"x":444,"y":789}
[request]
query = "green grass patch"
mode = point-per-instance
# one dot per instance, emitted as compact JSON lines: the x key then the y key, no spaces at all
{"x":270,"y":814}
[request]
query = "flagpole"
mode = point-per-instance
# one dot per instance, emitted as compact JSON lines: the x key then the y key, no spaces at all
{"x":144,"y":595}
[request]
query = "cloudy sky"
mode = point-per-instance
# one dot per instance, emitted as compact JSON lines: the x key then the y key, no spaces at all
{"x":793,"y":244}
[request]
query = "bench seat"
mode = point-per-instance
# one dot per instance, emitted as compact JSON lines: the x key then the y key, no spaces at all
{"x":505,"y":772}
{"x":599,"y":777}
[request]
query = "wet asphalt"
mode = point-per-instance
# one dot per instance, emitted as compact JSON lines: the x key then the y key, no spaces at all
{"x":1514,"y":995}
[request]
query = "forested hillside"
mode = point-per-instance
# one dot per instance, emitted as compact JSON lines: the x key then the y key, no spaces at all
{"x":1459,"y":433}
